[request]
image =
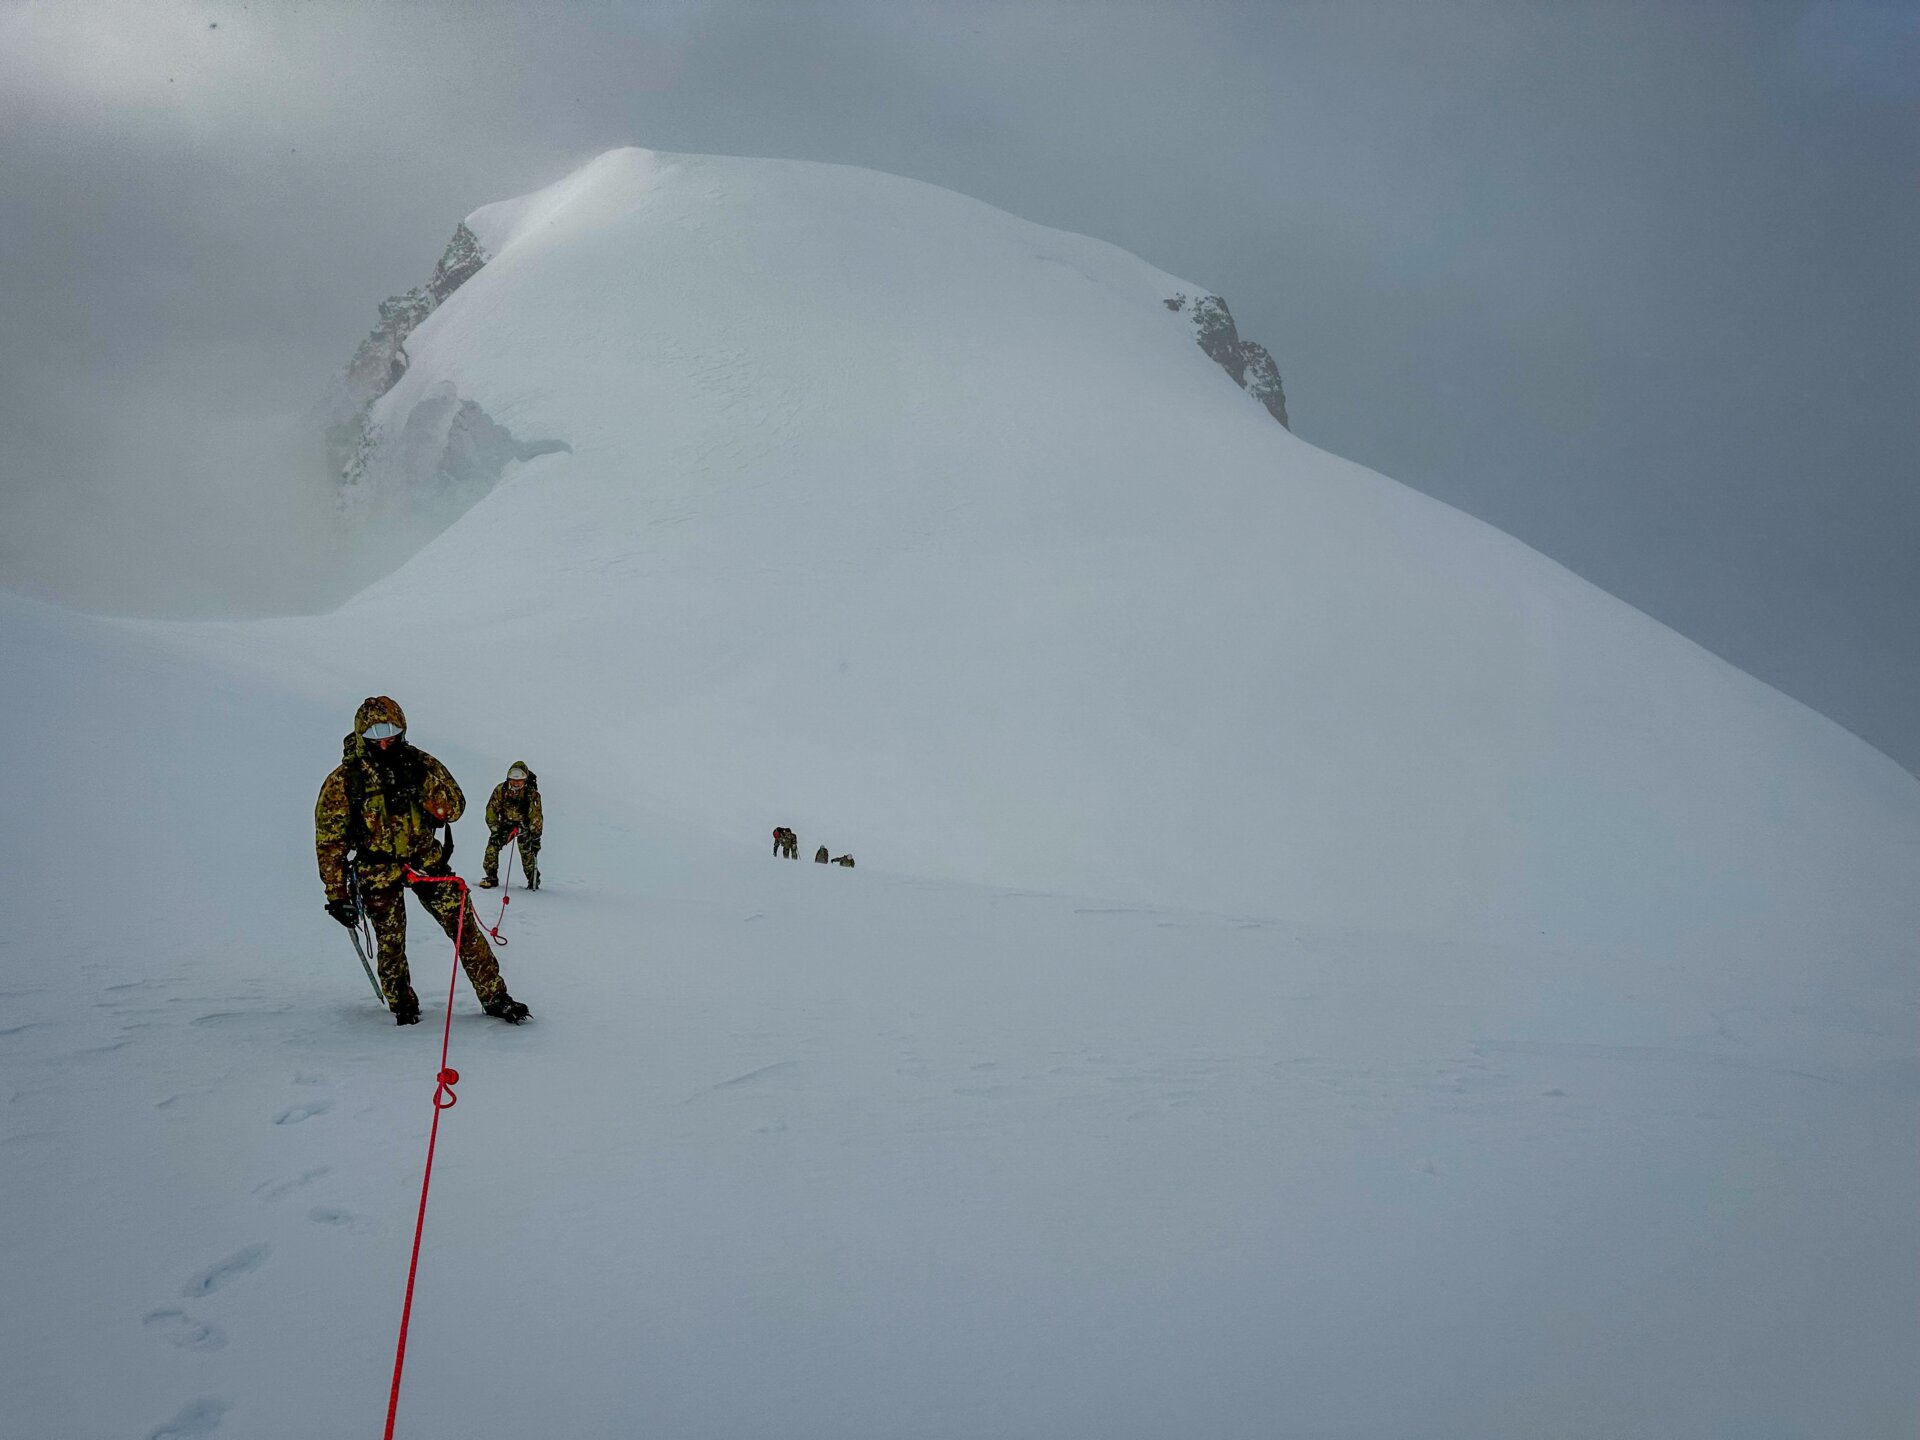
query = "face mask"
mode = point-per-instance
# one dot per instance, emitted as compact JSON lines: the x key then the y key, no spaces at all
{"x":384,"y":758}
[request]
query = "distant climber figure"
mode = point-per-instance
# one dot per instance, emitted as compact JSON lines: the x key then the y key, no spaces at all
{"x":820,"y":856}
{"x":513,"y":814}
{"x":786,"y":843}
{"x":846,"y":860}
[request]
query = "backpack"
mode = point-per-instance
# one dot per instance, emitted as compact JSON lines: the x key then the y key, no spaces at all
{"x":409,"y":773}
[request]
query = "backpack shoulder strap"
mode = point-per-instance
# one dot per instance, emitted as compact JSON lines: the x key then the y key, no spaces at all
{"x":355,"y":782}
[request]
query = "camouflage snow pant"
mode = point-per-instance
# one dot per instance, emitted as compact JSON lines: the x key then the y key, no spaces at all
{"x":387,"y":909}
{"x":529,"y":852}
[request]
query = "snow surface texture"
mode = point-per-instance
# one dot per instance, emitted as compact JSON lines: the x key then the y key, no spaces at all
{"x":1497,"y":1019}
{"x":897,"y":519}
{"x":794,"y":1151}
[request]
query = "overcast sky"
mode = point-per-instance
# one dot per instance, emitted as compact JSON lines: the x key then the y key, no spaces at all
{"x":1633,"y":281}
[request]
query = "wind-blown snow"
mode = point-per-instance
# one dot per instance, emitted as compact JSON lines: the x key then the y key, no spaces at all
{"x":1315,"y":967}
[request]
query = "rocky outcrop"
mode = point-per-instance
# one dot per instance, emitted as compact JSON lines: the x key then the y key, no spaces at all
{"x":1263,"y":379}
{"x":432,"y":460}
{"x":420,"y":468}
{"x":382,"y":357}
{"x":1246,"y":361}
{"x":461,"y":261}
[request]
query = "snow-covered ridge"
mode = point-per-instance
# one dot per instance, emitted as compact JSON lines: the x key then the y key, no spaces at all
{"x":414,"y":469}
{"x":1487,"y":988}
{"x":893,"y":516}
{"x":810,"y":1151}
{"x":595,"y":194}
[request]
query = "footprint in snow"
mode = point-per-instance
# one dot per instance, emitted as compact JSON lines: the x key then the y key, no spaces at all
{"x":271,"y":1190}
{"x":753,"y":1075}
{"x":294,"y":1114}
{"x":184,"y":1332}
{"x":196,"y":1418}
{"x":224,"y":1272}
{"x":330,"y":1215}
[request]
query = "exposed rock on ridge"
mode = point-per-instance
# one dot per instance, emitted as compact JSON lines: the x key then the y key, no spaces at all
{"x":1247,"y":361}
{"x":445,"y":452}
{"x":382,"y":357}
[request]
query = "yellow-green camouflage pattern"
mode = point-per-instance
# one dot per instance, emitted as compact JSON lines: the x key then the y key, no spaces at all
{"x":508,"y":813}
{"x":386,"y":907}
{"x":505,"y":811}
{"x":402,"y":804}
{"x":529,"y":847}
{"x":397,"y":829}
{"x":404,"y":799}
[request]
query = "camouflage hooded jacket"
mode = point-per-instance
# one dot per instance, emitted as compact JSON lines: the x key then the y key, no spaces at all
{"x":402,"y":796}
{"x":506,"y":811}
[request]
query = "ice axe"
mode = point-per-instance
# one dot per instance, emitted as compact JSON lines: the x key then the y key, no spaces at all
{"x":362,"y":932}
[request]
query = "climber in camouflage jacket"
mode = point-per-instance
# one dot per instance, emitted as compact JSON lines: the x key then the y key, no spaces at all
{"x":513,"y":812}
{"x":377,"y":821}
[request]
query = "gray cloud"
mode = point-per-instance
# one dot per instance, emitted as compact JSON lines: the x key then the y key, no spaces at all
{"x":1630,"y":280}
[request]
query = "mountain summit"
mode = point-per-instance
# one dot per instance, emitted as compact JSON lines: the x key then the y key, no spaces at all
{"x":804,"y":493}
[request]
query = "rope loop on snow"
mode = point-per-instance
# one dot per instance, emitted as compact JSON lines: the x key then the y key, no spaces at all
{"x":505,"y":885}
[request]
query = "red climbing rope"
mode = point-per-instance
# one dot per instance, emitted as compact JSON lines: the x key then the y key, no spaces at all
{"x":505,"y":885}
{"x":443,"y":1099}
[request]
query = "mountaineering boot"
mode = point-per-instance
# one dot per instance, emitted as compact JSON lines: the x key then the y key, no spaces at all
{"x":508,"y":1009}
{"x":406,"y":1010}
{"x":488,"y":882}
{"x":533,"y":878}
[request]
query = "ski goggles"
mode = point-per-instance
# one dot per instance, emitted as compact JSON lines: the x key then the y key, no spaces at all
{"x":382,"y":730}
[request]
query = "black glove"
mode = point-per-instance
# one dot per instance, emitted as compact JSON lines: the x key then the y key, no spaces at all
{"x":345,"y":911}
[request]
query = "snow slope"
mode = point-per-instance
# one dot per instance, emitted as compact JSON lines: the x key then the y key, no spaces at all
{"x":1496,"y":1017}
{"x":790,"y":1151}
{"x":907,"y":523}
